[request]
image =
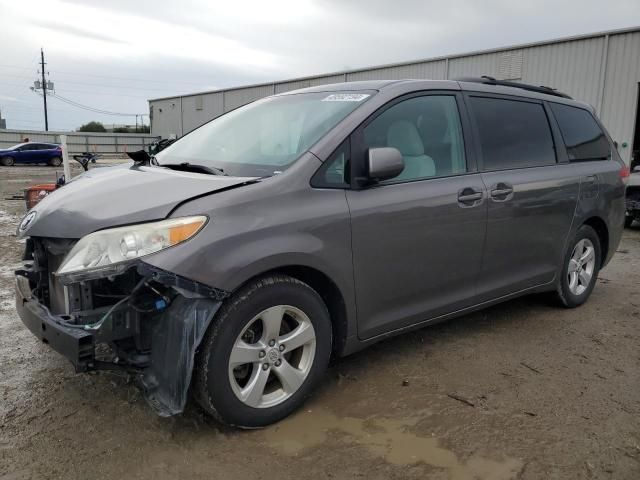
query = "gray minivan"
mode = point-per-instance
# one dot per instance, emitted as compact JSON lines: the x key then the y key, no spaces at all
{"x":310,"y":224}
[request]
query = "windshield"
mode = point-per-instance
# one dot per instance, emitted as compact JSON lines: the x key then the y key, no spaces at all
{"x":16,"y":146}
{"x":265,"y":137}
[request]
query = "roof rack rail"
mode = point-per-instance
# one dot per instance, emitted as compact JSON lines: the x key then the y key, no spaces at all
{"x":485,"y":79}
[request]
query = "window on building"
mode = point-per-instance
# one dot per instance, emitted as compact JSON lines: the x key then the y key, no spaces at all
{"x":582,"y":135}
{"x":513,"y":134}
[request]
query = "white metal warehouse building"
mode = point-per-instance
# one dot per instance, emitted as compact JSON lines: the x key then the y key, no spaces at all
{"x":602,"y":69}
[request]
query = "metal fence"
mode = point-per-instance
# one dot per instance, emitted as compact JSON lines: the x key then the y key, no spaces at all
{"x":79,"y":142}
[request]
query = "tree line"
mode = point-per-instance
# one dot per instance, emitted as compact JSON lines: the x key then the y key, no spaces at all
{"x":99,"y":128}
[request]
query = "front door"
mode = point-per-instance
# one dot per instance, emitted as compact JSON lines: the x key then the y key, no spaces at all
{"x":417,"y":239}
{"x":28,"y":153}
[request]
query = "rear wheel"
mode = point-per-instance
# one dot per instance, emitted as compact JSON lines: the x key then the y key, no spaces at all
{"x":581,"y":266}
{"x":6,"y":161}
{"x":55,"y":162}
{"x":264,"y":353}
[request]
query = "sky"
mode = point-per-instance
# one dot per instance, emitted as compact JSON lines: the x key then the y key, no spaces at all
{"x":115,"y":55}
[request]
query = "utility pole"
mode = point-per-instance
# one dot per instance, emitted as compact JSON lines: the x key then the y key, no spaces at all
{"x":44,"y":91}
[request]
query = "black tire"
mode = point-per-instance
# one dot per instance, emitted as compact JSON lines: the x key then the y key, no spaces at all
{"x":628,"y":221}
{"x":211,"y":381}
{"x":6,"y":161}
{"x":55,"y":162}
{"x":568,"y":298}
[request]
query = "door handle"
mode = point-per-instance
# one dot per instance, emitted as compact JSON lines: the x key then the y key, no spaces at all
{"x":501,"y":192}
{"x":590,"y":180}
{"x":469,"y":197}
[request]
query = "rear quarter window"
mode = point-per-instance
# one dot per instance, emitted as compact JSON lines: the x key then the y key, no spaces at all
{"x":583,"y":137}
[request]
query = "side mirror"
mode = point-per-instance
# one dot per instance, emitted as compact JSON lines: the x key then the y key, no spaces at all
{"x":384,"y":163}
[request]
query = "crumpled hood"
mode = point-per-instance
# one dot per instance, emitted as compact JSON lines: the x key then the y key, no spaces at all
{"x":114,"y":196}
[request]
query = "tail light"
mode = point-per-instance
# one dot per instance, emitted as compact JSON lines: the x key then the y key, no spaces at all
{"x":624,"y":174}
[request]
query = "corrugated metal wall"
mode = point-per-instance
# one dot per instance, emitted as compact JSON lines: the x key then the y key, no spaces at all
{"x":166,"y":117}
{"x":287,"y":86}
{"x":434,"y":70}
{"x":572,"y":67}
{"x":199,"y":109}
{"x":327,"y":79}
{"x":602,"y":70}
{"x":241,"y":96}
{"x":621,"y":83}
{"x":79,"y":142}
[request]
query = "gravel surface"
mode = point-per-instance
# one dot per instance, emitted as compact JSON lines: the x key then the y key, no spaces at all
{"x":523,"y":390}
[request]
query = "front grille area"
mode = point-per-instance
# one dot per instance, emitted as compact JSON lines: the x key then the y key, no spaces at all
{"x":47,"y":255}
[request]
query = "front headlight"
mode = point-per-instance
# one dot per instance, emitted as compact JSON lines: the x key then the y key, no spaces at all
{"x":117,"y":246}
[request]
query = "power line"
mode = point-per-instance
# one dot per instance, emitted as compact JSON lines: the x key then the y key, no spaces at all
{"x":4,"y":74}
{"x":115,"y":94}
{"x":126,"y":87}
{"x":20,"y":108}
{"x":13,"y":119}
{"x":134,"y":79}
{"x":65,"y":90}
{"x":15,"y":84}
{"x":89,"y":108}
{"x":93,"y":109}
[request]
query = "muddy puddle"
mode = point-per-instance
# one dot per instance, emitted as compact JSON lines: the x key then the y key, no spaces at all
{"x":391,"y":439}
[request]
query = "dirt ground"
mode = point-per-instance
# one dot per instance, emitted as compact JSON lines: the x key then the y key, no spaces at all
{"x":523,"y":390}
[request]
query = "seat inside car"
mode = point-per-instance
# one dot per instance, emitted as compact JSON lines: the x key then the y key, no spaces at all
{"x":403,"y":135}
{"x":433,"y":129}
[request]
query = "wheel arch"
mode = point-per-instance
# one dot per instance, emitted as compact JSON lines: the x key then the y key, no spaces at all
{"x":328,"y":290}
{"x":600,"y":226}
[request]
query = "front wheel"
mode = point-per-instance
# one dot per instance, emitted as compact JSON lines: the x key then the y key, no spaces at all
{"x":6,"y":161}
{"x":55,"y":162}
{"x":581,"y":266}
{"x":264,"y":353}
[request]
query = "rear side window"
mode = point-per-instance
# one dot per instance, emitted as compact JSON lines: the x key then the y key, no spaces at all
{"x":513,"y":134}
{"x":582,"y":135}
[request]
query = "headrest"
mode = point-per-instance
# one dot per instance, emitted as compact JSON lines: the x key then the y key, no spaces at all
{"x":404,"y":136}
{"x":433,"y":125}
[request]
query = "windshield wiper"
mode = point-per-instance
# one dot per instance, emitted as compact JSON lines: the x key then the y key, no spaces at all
{"x":191,"y":167}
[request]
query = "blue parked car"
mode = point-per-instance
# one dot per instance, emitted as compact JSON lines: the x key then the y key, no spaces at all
{"x":32,"y":152}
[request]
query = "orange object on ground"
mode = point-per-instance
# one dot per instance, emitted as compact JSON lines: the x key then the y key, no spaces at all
{"x":35,"y":193}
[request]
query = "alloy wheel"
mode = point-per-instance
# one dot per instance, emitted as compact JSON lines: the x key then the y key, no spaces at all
{"x":272,"y":356}
{"x":581,"y":266}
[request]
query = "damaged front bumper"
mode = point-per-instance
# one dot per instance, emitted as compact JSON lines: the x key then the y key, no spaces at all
{"x":154,"y":333}
{"x":76,"y":345}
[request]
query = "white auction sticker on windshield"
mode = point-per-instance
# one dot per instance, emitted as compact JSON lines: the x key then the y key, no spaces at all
{"x":345,"y":97}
